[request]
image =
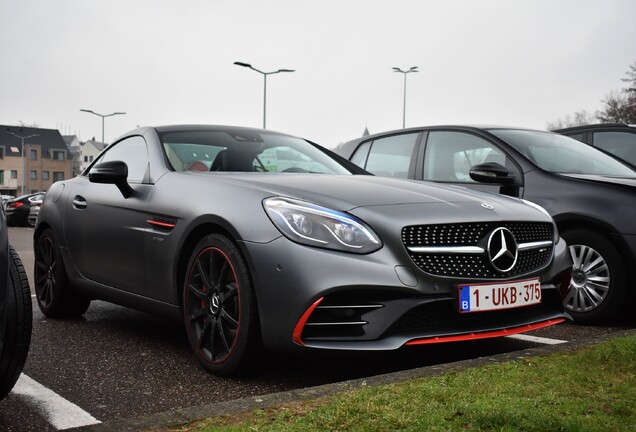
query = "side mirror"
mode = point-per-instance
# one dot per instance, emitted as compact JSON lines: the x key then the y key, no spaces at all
{"x":113,"y":172}
{"x":491,"y":172}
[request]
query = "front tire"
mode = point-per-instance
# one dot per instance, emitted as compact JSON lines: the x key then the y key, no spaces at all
{"x":598,"y":288}
{"x":55,"y":296}
{"x":219,"y":308}
{"x":19,"y":322}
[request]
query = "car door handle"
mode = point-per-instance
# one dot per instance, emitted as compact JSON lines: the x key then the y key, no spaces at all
{"x":79,"y":202}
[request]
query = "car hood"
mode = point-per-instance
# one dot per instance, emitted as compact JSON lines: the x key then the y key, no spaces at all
{"x":624,"y":181}
{"x":349,"y":192}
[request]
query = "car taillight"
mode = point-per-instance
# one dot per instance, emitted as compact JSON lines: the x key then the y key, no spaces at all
{"x":16,"y":204}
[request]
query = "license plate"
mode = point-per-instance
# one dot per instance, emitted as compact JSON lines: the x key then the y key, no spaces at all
{"x":487,"y":297}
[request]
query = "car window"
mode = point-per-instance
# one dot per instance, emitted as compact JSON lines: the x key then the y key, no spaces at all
{"x":361,"y":154}
{"x":389,"y":157}
{"x":245,"y":151}
{"x":131,"y":150}
{"x":621,"y":144}
{"x":450,"y":155}
{"x":578,"y":137}
{"x":561,"y":154}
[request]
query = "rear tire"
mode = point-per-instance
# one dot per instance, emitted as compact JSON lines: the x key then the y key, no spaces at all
{"x":55,"y":296}
{"x":19,"y":322}
{"x":219,"y":309}
{"x":598,"y":289}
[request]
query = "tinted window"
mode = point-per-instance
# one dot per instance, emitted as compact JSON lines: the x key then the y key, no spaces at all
{"x":390,"y":156}
{"x":621,"y":144}
{"x":133,"y":151}
{"x":450,"y":155}
{"x":578,"y":137}
{"x":561,"y":154}
{"x":360,"y":156}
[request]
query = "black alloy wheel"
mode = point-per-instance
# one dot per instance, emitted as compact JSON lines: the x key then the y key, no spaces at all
{"x":597,"y":290}
{"x":18,"y":325}
{"x":219,"y":307}
{"x":55,"y":297}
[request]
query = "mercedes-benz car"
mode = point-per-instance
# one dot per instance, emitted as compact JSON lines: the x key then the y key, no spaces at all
{"x":590,"y":195}
{"x":16,"y":314}
{"x":254,"y":238}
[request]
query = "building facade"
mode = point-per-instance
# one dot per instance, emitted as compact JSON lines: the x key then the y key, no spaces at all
{"x":88,"y":153}
{"x":32,"y":159}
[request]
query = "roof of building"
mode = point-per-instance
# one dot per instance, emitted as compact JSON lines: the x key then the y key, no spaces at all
{"x":98,"y":145}
{"x":48,"y":139}
{"x":70,"y":139}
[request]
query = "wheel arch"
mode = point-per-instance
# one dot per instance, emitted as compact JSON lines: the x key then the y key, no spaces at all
{"x":193,"y":237}
{"x":191,"y":240}
{"x":570,"y":222}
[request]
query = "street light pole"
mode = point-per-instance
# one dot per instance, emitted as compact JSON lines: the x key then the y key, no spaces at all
{"x":22,"y":138}
{"x":412,"y":69}
{"x":102,"y":116}
{"x":247,"y":65}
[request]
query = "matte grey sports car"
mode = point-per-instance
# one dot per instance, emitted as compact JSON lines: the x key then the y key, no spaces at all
{"x":254,"y":237}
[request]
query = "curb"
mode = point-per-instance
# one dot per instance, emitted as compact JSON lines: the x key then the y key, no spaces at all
{"x":187,"y":415}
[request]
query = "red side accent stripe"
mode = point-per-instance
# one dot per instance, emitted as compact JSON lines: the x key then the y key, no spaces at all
{"x":298,"y":330}
{"x":486,"y":335}
{"x":161,"y":224}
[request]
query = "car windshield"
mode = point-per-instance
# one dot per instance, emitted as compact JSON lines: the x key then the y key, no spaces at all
{"x":561,"y":154}
{"x":245,"y":151}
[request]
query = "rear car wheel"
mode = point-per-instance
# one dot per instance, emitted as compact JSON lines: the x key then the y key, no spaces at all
{"x":18,"y":324}
{"x":219,"y":307}
{"x":54,"y":294}
{"x":597,"y":291}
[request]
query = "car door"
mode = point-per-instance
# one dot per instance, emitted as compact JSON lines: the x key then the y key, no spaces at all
{"x":448,"y":156}
{"x":105,"y":231}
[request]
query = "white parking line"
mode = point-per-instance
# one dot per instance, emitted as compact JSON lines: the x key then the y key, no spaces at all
{"x":536,"y":339}
{"x":59,"y":412}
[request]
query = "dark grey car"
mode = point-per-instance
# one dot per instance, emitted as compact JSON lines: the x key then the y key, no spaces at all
{"x":591,"y":196}
{"x":251,"y":237}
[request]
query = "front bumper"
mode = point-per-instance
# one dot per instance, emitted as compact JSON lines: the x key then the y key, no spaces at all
{"x":317,"y":298}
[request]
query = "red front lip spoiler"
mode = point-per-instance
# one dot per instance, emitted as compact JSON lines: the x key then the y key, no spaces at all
{"x":300,"y":325}
{"x":297,"y":334}
{"x":486,"y":335}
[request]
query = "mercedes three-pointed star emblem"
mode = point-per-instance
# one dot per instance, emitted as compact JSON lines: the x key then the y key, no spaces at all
{"x":502,"y":250}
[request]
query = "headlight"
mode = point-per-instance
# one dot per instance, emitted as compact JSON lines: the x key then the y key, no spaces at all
{"x":313,"y":225}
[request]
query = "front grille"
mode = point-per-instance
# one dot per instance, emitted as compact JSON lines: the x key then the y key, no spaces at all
{"x":475,"y":265}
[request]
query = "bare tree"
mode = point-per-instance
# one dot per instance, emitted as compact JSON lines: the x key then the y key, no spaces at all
{"x":617,"y":108}
{"x":620,"y":106}
{"x":579,"y":118}
{"x":630,"y":91}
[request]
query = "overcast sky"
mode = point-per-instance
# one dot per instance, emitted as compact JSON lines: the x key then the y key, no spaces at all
{"x":512,"y":62}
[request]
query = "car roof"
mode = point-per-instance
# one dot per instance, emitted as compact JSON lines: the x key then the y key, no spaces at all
{"x":583,"y":128}
{"x":221,"y":128}
{"x":464,"y":127}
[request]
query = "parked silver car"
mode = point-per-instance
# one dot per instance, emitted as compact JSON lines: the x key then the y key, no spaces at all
{"x":34,"y":211}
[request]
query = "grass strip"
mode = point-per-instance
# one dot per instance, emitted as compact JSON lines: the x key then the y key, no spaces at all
{"x":590,"y":389}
